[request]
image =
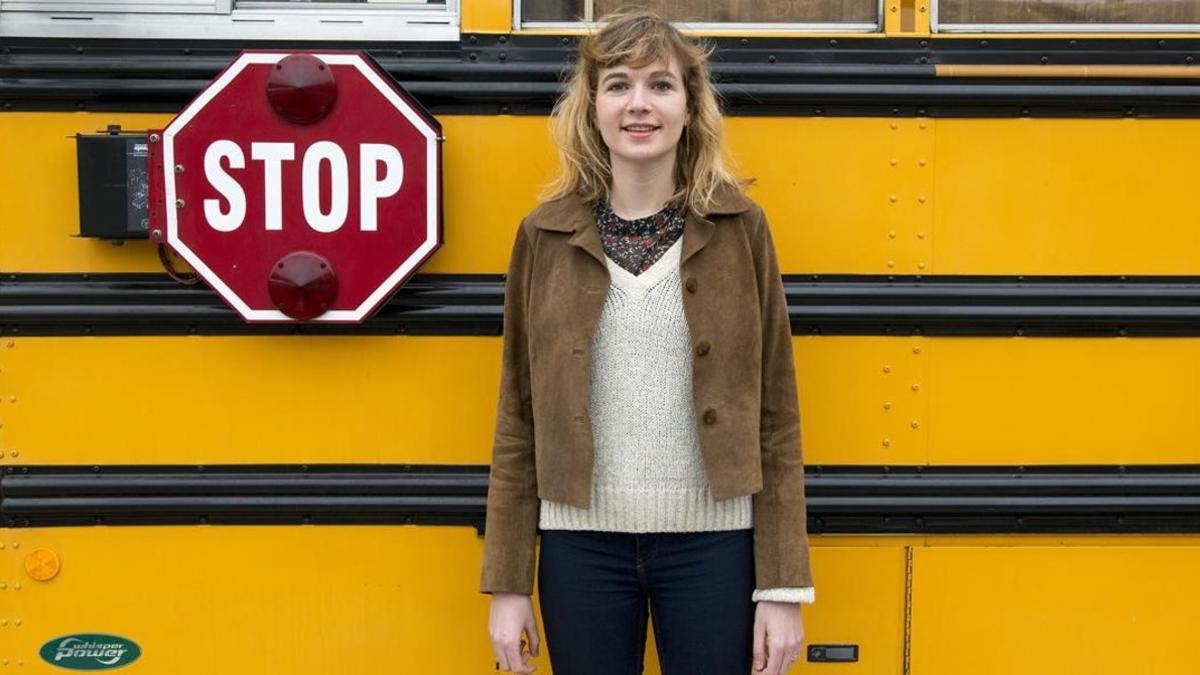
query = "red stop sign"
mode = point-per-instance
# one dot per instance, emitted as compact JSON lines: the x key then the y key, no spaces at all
{"x":320,"y":156}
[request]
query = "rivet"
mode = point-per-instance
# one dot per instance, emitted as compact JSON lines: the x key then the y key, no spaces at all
{"x":920,"y":235}
{"x":920,"y":265}
{"x":153,"y":138}
{"x":886,"y":442}
{"x":12,"y":399}
{"x":921,"y":8}
{"x":921,"y":198}
{"x":892,"y":234}
{"x":179,"y":203}
{"x":887,"y":405}
{"x":3,"y":622}
{"x":10,"y":344}
{"x":178,"y":168}
{"x":922,"y":125}
{"x":893,"y":161}
{"x":16,"y":586}
{"x":916,"y":387}
{"x":914,"y":424}
{"x":3,"y":586}
{"x":13,"y":453}
{"x":156,"y":233}
{"x":916,"y":350}
{"x":892,"y":8}
{"x":921,"y":162}
{"x":892,"y":198}
{"x":891,"y":263}
{"x":894,"y":126}
{"x":887,"y":369}
{"x":16,"y":622}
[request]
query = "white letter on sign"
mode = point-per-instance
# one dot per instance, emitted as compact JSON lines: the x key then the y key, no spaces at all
{"x":273,"y":156}
{"x":339,"y":184}
{"x":226,"y":185}
{"x":373,"y":187}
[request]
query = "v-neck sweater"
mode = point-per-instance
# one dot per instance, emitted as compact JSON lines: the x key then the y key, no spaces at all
{"x":648,"y":474}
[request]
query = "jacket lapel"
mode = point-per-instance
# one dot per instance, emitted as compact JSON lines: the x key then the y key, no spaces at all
{"x":587,"y":238}
{"x":696,"y":233}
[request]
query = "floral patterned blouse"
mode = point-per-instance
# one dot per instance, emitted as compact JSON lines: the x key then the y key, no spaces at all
{"x":637,"y":244}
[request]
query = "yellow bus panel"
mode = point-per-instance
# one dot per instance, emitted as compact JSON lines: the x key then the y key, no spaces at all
{"x":998,"y":610}
{"x":864,"y":400}
{"x":845,"y":195}
{"x":311,"y":600}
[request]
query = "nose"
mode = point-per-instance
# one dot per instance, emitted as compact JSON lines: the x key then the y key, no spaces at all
{"x":637,"y":99}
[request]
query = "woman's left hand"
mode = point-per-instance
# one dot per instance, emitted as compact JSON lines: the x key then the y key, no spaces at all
{"x":778,"y":632}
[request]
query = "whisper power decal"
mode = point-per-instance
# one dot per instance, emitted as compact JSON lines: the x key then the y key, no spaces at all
{"x":90,"y":651}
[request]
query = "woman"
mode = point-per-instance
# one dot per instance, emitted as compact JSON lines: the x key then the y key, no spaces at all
{"x":648,"y":421}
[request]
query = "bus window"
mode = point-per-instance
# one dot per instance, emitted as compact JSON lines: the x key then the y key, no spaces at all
{"x":817,"y":14}
{"x":358,"y":20}
{"x":1066,"y":15}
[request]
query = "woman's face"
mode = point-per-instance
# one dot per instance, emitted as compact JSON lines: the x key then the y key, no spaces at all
{"x":641,"y":112}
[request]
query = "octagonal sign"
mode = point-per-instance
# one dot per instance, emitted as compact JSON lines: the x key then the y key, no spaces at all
{"x":301,"y":179}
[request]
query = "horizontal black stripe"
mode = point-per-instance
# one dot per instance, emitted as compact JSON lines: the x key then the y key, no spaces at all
{"x":757,"y":76}
{"x":148,"y":304}
{"x":841,"y":499}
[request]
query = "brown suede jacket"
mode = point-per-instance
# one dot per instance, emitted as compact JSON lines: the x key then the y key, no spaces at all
{"x":744,"y":384}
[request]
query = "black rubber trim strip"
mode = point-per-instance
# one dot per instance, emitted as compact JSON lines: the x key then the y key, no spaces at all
{"x":500,"y":74}
{"x":1054,"y":306}
{"x":841,"y":499}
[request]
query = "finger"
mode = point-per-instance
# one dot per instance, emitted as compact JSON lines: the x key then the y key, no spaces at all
{"x":776,"y":654}
{"x":760,"y":655}
{"x":515,"y":663}
{"x":526,"y":665}
{"x":501,"y":661}
{"x":535,"y":640}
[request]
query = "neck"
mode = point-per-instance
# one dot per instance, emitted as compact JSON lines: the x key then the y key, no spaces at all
{"x":642,"y":189}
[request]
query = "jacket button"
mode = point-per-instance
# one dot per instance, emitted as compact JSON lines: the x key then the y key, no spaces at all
{"x":690,"y":284}
{"x":702,"y":347}
{"x":710,"y":416}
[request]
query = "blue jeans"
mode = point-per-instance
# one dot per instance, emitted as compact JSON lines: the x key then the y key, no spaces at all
{"x":594,"y":588}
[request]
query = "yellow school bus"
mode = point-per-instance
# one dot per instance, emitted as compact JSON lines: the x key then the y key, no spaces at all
{"x":986,"y":218}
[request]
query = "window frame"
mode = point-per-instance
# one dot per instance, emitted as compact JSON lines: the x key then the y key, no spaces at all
{"x":246,"y":20}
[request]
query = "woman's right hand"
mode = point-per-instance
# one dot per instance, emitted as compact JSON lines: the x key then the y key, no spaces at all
{"x":512,"y":614}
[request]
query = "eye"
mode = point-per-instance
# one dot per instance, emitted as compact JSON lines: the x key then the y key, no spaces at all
{"x":663,"y":85}
{"x":615,"y":86}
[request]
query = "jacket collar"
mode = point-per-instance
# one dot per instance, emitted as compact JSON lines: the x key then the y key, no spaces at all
{"x":574,"y":214}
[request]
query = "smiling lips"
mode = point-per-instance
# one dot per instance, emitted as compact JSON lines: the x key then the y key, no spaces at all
{"x":640,"y":130}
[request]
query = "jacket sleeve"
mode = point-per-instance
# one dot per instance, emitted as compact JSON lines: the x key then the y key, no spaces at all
{"x":781,"y":555}
{"x":512,"y":501}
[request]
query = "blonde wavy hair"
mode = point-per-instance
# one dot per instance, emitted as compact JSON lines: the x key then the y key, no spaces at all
{"x":636,"y":39}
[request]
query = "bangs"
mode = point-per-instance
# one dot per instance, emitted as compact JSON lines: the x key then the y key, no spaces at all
{"x":636,"y":43}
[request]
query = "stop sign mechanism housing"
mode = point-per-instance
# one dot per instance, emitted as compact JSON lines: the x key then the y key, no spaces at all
{"x":299,"y":186}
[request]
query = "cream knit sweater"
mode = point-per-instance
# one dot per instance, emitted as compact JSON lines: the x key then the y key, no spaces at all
{"x":648,"y":474}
